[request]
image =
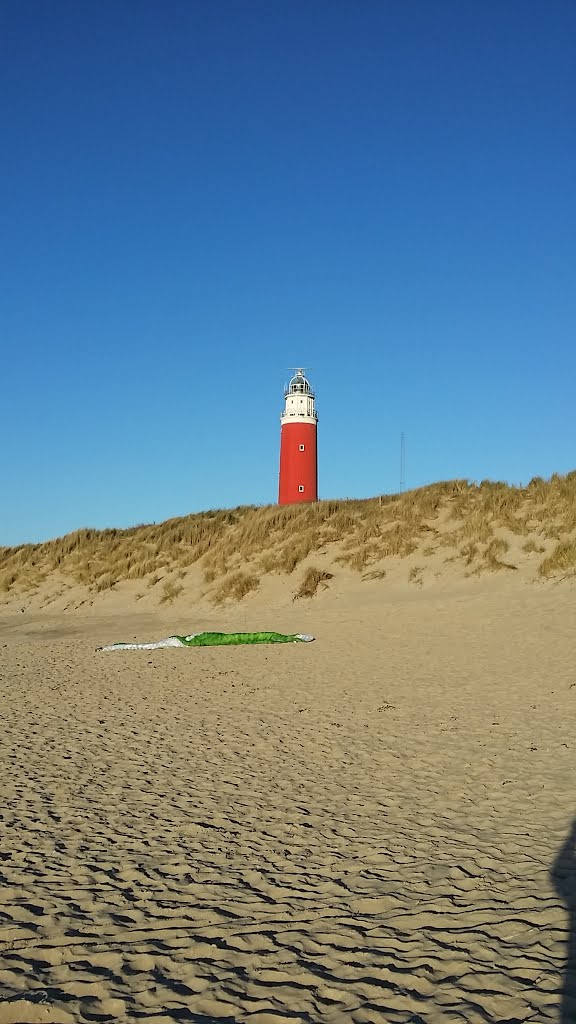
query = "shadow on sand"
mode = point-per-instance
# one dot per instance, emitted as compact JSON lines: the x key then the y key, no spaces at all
{"x":563,"y":876}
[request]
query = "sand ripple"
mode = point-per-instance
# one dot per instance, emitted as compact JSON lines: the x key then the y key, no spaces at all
{"x":195,"y":838}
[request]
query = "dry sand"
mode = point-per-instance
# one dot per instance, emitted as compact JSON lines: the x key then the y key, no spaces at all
{"x":356,"y":830}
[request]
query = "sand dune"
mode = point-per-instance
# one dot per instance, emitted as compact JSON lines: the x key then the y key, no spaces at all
{"x":356,"y":830}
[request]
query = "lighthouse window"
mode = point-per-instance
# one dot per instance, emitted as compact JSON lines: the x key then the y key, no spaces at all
{"x":301,"y":447}
{"x":301,"y":488}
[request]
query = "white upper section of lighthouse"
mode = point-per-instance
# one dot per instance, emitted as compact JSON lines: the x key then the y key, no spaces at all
{"x":299,"y":401}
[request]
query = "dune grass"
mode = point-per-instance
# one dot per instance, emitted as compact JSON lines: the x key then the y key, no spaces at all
{"x":170,"y":592}
{"x":561,"y":561}
{"x":313,"y":579}
{"x":461,"y":522}
{"x":235,"y":586}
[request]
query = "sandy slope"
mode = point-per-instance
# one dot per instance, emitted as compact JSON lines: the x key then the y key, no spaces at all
{"x":359,"y":829}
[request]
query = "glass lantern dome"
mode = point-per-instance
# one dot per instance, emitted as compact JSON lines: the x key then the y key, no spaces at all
{"x":299,"y":385}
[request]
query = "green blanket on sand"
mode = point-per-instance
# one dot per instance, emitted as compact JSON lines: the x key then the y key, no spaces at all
{"x":213,"y":640}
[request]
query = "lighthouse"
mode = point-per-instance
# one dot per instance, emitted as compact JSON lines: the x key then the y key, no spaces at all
{"x":298,"y":453}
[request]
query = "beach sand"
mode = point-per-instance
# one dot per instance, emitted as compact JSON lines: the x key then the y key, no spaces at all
{"x":361,"y":829}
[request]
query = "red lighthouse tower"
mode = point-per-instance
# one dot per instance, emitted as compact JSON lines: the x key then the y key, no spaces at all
{"x":298,"y":453}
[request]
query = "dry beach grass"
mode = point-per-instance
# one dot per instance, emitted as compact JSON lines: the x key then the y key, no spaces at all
{"x":362,"y":829}
{"x":478,"y":528}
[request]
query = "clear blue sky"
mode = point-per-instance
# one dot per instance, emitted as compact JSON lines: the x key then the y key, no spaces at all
{"x":197,"y":194}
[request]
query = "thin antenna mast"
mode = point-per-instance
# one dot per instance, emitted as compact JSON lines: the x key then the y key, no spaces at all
{"x":402,"y":463}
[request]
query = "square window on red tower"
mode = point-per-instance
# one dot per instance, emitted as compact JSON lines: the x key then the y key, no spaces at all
{"x":301,"y":447}
{"x":301,"y":488}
